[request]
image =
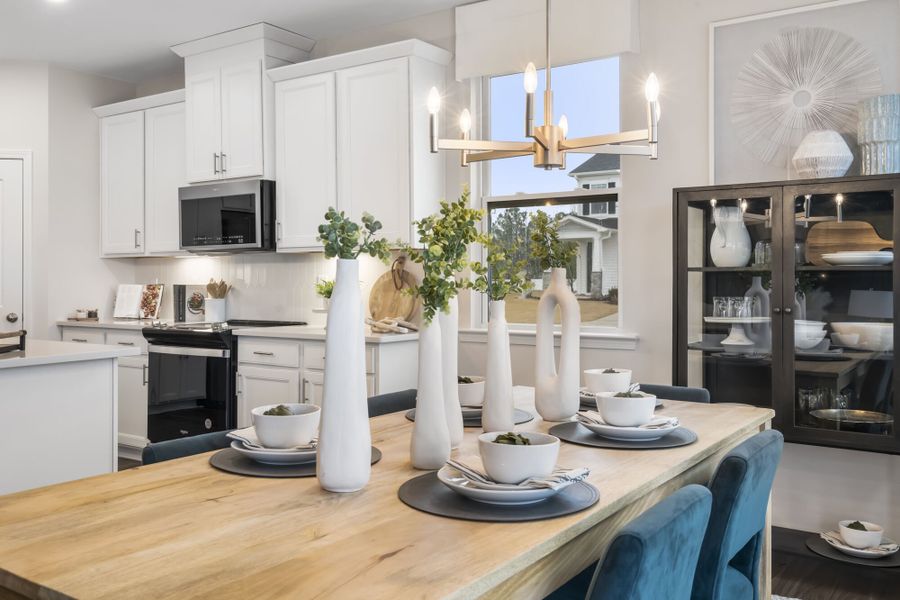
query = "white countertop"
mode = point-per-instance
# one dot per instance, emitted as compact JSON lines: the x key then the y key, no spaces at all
{"x":48,"y":352}
{"x":133,"y":324}
{"x":304,"y":332}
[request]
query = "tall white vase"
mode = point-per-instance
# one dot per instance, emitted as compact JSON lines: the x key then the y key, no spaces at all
{"x":449,"y":322}
{"x":498,"y":413}
{"x":556,"y":393}
{"x":430,"y":444}
{"x":343,"y":456}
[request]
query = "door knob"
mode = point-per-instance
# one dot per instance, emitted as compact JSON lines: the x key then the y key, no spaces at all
{"x":12,"y":317}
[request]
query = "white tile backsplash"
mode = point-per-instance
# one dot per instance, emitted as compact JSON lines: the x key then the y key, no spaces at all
{"x":265,"y":286}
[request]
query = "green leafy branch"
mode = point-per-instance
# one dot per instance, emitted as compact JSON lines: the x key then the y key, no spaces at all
{"x":343,"y":238}
{"x":325,"y":287}
{"x":546,"y":246}
{"x":502,"y":275}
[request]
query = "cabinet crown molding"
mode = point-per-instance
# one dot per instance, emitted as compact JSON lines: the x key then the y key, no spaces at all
{"x":257,"y":31}
{"x":142,"y":103}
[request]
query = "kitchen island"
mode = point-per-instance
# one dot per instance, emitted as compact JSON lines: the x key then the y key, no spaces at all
{"x":58,"y":409}
{"x":183,"y":529}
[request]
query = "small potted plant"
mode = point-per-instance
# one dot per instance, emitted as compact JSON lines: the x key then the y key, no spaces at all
{"x":507,"y":276}
{"x":555,"y":393}
{"x":343,"y":454}
{"x":324,"y":288}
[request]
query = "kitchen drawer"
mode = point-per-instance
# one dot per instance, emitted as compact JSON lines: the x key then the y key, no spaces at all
{"x":127,"y":338}
{"x":314,"y":357}
{"x":83,"y":335}
{"x":267,"y":351}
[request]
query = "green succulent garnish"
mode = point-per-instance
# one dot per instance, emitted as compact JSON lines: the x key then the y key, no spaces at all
{"x":856,"y":525}
{"x":463,"y":379}
{"x":609,"y":371}
{"x":512,"y":439}
{"x":279,"y":411}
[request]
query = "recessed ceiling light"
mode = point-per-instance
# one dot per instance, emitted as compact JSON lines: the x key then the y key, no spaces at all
{"x":57,"y":1}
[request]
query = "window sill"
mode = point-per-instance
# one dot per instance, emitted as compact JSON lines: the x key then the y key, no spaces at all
{"x":607,"y":340}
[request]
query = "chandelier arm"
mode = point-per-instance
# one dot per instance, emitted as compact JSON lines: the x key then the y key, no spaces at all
{"x":620,"y":149}
{"x":540,"y":138}
{"x":476,"y":145}
{"x":496,"y":154}
{"x":623,"y":137}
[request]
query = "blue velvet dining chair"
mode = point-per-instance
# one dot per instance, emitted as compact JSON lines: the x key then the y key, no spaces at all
{"x":677,"y":392}
{"x":393,"y":402}
{"x":181,"y":447}
{"x":728,"y":568}
{"x":653,"y":557}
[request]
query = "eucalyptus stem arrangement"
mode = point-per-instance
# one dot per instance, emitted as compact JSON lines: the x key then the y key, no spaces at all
{"x":500,"y":275}
{"x":346,"y":239}
{"x":546,"y":246}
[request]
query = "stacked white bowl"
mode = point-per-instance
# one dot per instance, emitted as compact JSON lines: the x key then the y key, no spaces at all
{"x":808,"y":334}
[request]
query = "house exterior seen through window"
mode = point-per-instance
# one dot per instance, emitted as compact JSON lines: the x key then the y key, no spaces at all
{"x":588,"y":94}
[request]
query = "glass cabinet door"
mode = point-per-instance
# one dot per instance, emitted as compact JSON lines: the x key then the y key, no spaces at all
{"x":839,"y":314}
{"x":725,"y":288}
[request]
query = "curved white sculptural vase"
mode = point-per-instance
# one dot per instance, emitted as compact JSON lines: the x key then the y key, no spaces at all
{"x":556,"y":393}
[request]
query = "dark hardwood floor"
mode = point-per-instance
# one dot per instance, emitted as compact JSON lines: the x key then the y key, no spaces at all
{"x":797,"y":572}
{"x":127,"y":463}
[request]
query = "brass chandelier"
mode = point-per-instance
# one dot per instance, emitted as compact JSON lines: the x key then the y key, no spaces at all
{"x":550,"y":144}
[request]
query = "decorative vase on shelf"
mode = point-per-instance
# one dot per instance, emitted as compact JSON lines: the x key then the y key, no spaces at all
{"x":498,"y":413}
{"x":879,"y":134}
{"x":730,"y":243}
{"x":822,"y":153}
{"x":343,"y":455}
{"x":430,"y":443}
{"x":556,"y":392}
{"x":449,"y":323}
{"x":760,"y":306}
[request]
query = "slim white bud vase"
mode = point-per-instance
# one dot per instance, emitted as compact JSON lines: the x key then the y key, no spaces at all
{"x":429,"y":447}
{"x":556,"y":393}
{"x":344,"y":455}
{"x":449,"y":322}
{"x":498,"y":413}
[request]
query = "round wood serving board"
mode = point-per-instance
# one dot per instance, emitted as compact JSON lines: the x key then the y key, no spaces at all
{"x":387,"y":300}
{"x":831,"y":236}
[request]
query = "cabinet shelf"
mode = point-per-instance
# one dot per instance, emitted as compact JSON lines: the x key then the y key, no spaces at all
{"x":863,"y":268}
{"x":729,"y":269}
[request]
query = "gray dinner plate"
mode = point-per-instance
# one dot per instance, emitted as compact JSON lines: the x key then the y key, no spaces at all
{"x":428,"y":494}
{"x":821,"y":547}
{"x":521,"y":416}
{"x":232,"y":461}
{"x":575,"y":433}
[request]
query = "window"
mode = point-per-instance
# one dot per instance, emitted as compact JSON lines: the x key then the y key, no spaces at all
{"x":588,"y":94}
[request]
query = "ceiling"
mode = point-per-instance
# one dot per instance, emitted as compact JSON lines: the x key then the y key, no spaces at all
{"x":130,"y":39}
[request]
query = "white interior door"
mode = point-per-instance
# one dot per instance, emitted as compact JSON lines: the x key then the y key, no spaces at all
{"x":12,"y":174}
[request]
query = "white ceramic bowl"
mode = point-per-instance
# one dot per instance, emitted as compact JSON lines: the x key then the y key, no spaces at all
{"x":626,"y":412}
{"x":286,"y":431}
{"x":809,"y":326}
{"x":807,"y":340}
{"x":472,"y":394}
{"x":597,"y":381}
{"x":861,"y":539}
{"x":505,"y":463}
{"x":849,"y":340}
{"x":877,"y":337}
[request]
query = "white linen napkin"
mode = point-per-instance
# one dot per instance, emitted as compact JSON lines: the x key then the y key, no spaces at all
{"x":834,"y":538}
{"x":592,"y":417}
{"x":247,"y":436}
{"x":560,"y":478}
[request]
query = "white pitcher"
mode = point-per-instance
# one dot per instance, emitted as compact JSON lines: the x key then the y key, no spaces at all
{"x":730,"y":243}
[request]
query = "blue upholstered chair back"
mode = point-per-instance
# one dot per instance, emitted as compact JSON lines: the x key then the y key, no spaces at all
{"x":728,"y":568}
{"x":677,"y":392}
{"x":388,"y":403}
{"x":654,"y":556}
{"x":181,"y":447}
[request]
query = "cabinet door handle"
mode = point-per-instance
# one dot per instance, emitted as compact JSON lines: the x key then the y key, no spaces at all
{"x":776,"y":310}
{"x":277,"y":231}
{"x":137,"y":238}
{"x":788,"y":311}
{"x":257,"y":352}
{"x":144,"y":380}
{"x":125,"y":343}
{"x":303,"y":387}
{"x":215,"y":162}
{"x":240,"y":383}
{"x":82,"y":340}
{"x":222,"y":163}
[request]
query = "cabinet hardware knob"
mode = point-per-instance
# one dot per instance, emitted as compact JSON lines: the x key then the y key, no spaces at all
{"x":12,"y":317}
{"x":788,"y":311}
{"x":776,"y":310}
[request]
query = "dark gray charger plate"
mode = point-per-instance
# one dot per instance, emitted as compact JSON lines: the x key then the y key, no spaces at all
{"x":577,"y":434}
{"x":428,"y":494}
{"x":821,"y":547}
{"x":520,"y":416}
{"x":232,"y":461}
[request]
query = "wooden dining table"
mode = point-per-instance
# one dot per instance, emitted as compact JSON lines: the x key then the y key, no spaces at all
{"x":182,"y":529}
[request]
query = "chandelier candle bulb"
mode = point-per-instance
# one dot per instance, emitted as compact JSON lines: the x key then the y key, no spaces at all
{"x":434,"y":107}
{"x":564,"y":125}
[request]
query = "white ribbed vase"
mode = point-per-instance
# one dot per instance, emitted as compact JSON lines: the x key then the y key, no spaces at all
{"x":498,"y":413}
{"x":449,"y":322}
{"x":556,"y":392}
{"x":429,"y":447}
{"x":344,"y":455}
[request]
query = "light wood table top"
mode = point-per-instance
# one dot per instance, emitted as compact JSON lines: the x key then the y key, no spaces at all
{"x":181,"y":529}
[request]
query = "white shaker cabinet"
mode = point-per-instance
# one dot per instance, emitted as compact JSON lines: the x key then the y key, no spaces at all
{"x":122,"y":184}
{"x":260,"y":386}
{"x":164,"y":174}
{"x":203,"y":125}
{"x":133,"y":401}
{"x":305,"y":158}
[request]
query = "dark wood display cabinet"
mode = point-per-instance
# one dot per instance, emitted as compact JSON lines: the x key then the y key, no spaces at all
{"x":785,"y":297}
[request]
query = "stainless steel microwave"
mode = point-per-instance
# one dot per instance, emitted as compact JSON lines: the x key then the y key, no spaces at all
{"x":235,"y":216}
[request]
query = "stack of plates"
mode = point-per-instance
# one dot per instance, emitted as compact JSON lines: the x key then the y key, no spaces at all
{"x":859,"y":258}
{"x":501,"y":494}
{"x":272,"y":456}
{"x":630,"y":434}
{"x":886,"y":548}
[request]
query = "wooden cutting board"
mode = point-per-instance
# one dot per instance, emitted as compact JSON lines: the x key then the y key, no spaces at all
{"x":389,"y":298}
{"x":831,"y":236}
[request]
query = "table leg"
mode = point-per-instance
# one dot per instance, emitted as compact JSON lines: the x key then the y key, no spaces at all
{"x":765,"y":566}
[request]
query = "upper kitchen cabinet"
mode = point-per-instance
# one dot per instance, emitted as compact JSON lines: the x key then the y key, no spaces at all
{"x":230,"y":105}
{"x":141,"y":169}
{"x":352,"y":133}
